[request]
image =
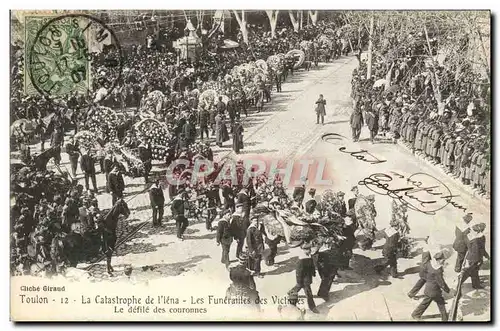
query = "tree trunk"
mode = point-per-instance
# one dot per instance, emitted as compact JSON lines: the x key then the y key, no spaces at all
{"x":301,"y":19}
{"x":314,"y":16}
{"x":242,"y":22}
{"x":295,"y":22}
{"x":273,"y":19}
{"x":370,"y":51}
{"x":434,"y":78}
{"x":388,"y":77}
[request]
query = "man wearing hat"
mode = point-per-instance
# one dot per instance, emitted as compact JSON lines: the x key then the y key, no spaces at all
{"x":347,"y":245}
{"x":311,"y":201}
{"x":304,"y":272}
{"x":239,"y":227}
{"x":461,"y":241}
{"x":74,"y":155}
{"x":177,"y":209}
{"x":476,"y":252}
{"x":228,"y":195}
{"x":87,"y":164}
{"x":146,"y":157}
{"x":237,"y":129}
{"x":157,"y":200}
{"x":224,"y":236}
{"x":203,"y":117}
{"x":255,"y":245}
{"x":352,"y":201}
{"x":116,"y":183}
{"x":244,"y":200}
{"x":434,"y":286}
{"x":299,"y":193}
{"x":390,"y":251}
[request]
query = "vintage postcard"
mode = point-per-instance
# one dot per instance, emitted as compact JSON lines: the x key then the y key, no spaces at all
{"x":250,"y":165}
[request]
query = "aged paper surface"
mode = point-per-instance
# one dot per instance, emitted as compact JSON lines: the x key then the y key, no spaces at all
{"x":263,"y":165}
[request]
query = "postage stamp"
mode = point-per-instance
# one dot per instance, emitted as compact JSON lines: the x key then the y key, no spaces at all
{"x":60,"y":56}
{"x":263,"y":165}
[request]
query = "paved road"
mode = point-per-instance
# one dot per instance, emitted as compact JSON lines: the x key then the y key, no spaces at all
{"x":286,"y":130}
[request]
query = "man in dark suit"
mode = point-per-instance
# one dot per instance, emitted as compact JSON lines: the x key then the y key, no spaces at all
{"x":390,"y":251}
{"x":476,"y":252}
{"x":157,"y":200}
{"x":203,"y":117}
{"x":74,"y":155}
{"x":228,"y":195}
{"x":178,"y":214}
{"x":461,"y":241}
{"x":116,"y":183}
{"x":255,"y":244}
{"x":224,"y":237}
{"x":221,"y":106}
{"x":244,"y":200}
{"x":146,"y":157}
{"x":304,"y":273}
{"x":87,"y":163}
{"x":239,"y":227}
{"x":426,"y":258}
{"x":231,"y":110}
{"x":434,"y":286}
{"x":56,"y":142}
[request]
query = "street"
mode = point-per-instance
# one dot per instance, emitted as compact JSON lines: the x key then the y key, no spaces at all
{"x":285,"y":130}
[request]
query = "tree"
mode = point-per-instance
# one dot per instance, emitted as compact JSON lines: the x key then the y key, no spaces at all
{"x":242,"y":22}
{"x":296,"y":21}
{"x":273,"y":19}
{"x":313,"y":14}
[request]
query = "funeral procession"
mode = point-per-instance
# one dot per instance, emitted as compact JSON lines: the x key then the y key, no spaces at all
{"x":283,"y":165}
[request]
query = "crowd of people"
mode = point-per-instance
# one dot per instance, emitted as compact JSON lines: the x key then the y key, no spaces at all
{"x":453,"y":133}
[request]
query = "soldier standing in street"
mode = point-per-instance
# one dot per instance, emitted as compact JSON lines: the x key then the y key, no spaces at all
{"x":177,"y":209}
{"x":116,"y":183}
{"x":304,"y":273}
{"x":203,"y":117}
{"x":255,"y":244}
{"x":320,"y":109}
{"x":475,"y":254}
{"x":87,"y":164}
{"x":461,"y":241}
{"x":390,"y":251}
{"x":433,"y":288}
{"x":157,"y":200}
{"x":224,"y":237}
{"x":74,"y":155}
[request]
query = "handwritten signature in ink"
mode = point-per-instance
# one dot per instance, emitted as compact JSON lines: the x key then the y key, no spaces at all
{"x":363,"y":155}
{"x":421,"y":192}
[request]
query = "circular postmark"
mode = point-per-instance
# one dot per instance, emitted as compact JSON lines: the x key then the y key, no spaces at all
{"x":75,"y":54}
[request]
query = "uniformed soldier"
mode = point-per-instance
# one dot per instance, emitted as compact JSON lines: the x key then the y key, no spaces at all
{"x":228,"y":195}
{"x":426,"y":258}
{"x":390,"y":251}
{"x":177,"y":209}
{"x":224,"y":237}
{"x":255,"y":244}
{"x":239,"y":226}
{"x":476,"y":251}
{"x":461,"y":241}
{"x":116,"y":183}
{"x":434,"y":286}
{"x":74,"y":154}
{"x":157,"y":200}
{"x":304,"y":273}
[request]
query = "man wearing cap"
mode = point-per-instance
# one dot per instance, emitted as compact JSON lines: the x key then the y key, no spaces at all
{"x":255,"y":245}
{"x":426,"y":258}
{"x":87,"y":164}
{"x":239,"y":227}
{"x":157,"y":200}
{"x":390,"y":251}
{"x":228,"y":195}
{"x":461,"y":241}
{"x":116,"y":183}
{"x":244,"y":200}
{"x":311,"y":201}
{"x":224,"y":236}
{"x":434,"y":286}
{"x":476,"y":252}
{"x":304,"y":273}
{"x":177,"y":209}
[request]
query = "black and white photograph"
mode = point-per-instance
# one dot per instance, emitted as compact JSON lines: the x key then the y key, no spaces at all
{"x":250,"y":165}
